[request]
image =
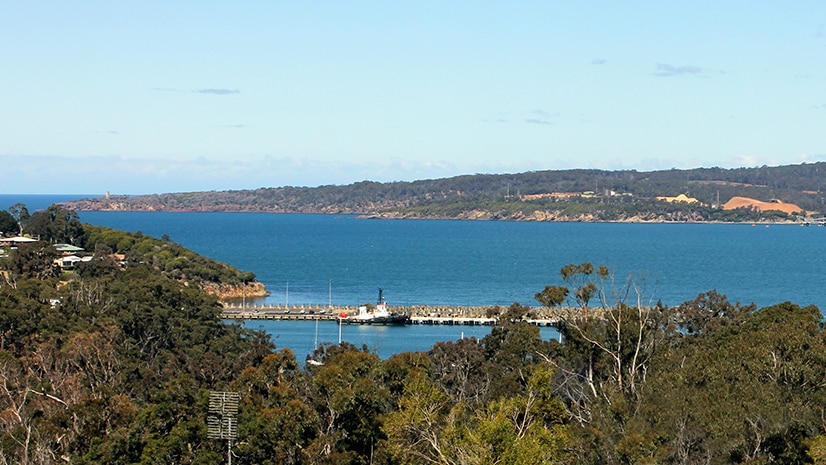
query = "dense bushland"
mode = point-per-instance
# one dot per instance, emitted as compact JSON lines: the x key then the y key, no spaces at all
{"x":627,"y":195}
{"x":113,"y":364}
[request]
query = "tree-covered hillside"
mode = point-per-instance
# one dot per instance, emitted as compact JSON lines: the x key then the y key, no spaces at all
{"x":109,"y":361}
{"x":110,"y":247}
{"x":109,"y":364}
{"x":612,"y":195}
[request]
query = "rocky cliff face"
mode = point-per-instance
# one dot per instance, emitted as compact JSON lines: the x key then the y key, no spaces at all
{"x":236,"y":292}
{"x":552,"y":216}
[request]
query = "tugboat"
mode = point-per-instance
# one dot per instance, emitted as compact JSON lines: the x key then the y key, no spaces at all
{"x":378,"y":315}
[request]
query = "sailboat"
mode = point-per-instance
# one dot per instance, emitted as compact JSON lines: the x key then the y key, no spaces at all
{"x":310,"y":360}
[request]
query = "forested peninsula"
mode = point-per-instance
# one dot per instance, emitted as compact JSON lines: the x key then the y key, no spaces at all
{"x":764,"y":194}
{"x":112,"y":360}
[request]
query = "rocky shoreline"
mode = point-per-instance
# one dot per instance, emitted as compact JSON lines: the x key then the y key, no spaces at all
{"x":538,"y":215}
{"x":229,"y":292}
{"x":557,"y":217}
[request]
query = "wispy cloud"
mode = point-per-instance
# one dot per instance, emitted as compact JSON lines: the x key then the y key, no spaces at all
{"x":217,"y":91}
{"x":98,"y":174}
{"x":537,"y":121}
{"x":666,"y":70}
{"x":539,"y":117}
{"x":205,"y":90}
{"x":536,"y":116}
{"x":498,"y":119}
{"x":599,"y":61}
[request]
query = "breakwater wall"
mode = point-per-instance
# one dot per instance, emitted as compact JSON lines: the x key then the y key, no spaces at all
{"x":419,"y":314}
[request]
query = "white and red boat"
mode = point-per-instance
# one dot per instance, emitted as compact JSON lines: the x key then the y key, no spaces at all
{"x":375,"y":315}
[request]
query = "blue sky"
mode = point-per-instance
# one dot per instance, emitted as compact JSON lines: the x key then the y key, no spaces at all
{"x":158,"y":96}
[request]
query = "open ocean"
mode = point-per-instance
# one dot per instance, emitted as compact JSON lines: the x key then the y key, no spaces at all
{"x":315,"y":259}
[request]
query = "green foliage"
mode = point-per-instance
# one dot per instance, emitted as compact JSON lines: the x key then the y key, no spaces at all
{"x":276,"y":423}
{"x":109,"y":367}
{"x":398,"y":369}
{"x":616,"y":195}
{"x":113,"y":365}
{"x":32,"y":260}
{"x":429,"y":428}
{"x":460,"y":369}
{"x":56,"y":225}
{"x":705,"y":382}
{"x":552,"y":296}
{"x":20,"y":214}
{"x":350,"y":400}
{"x":585,"y":285}
{"x":510,"y":350}
{"x":168,"y":257}
{"x":8,"y":224}
{"x":747,"y":391}
{"x":709,"y":312}
{"x":424,"y":424}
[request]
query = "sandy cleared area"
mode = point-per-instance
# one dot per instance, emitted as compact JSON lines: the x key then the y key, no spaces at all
{"x":745,"y":202}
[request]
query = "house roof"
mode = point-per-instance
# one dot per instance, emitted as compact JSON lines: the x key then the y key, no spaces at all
{"x":17,"y":239}
{"x":67,"y":248}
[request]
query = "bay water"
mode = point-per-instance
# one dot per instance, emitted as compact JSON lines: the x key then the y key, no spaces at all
{"x":344,"y":259}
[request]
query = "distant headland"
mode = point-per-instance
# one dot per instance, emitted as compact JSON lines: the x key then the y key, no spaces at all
{"x":759,"y":194}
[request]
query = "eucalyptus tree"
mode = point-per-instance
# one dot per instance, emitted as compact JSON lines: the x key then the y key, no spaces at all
{"x":749,"y":390}
{"x":56,"y":225}
{"x":349,"y":396}
{"x":8,"y":224}
{"x":528,"y":427}
{"x":613,"y":342}
{"x":276,"y":423}
{"x":603,"y":364}
{"x":459,"y":369}
{"x":21,"y":216}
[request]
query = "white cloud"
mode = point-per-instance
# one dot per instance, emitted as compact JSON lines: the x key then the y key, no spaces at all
{"x":120,"y":175}
{"x":537,"y":121}
{"x":666,"y":70}
{"x":116,"y":174}
{"x":217,"y":91}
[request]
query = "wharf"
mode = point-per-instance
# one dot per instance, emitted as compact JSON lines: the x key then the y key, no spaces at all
{"x":419,"y":314}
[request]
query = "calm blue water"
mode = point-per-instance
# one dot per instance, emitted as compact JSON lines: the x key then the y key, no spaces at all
{"x":315,"y":259}
{"x":34,"y":202}
{"x":300,"y":336}
{"x":302,"y":257}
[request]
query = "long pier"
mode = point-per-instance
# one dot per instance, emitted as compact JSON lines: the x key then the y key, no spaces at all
{"x":419,"y":314}
{"x":808,"y":221}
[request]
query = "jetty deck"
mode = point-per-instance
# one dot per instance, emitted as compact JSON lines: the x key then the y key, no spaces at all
{"x":419,"y":314}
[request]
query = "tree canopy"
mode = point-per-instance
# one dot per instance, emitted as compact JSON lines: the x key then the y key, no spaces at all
{"x":114,"y":364}
{"x":553,"y":195}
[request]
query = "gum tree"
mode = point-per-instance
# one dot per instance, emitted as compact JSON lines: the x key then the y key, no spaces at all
{"x":608,"y":348}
